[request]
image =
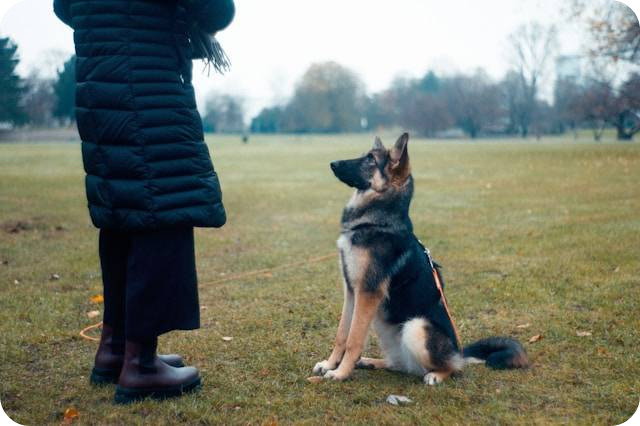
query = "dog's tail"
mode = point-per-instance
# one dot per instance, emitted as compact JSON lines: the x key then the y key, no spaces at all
{"x":497,"y":352}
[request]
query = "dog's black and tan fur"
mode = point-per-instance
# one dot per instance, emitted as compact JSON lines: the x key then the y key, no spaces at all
{"x":388,"y":282}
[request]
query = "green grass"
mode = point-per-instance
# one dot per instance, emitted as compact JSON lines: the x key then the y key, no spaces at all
{"x":543,"y":233}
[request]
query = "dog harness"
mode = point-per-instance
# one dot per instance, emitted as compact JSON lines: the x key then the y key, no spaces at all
{"x":436,"y":276}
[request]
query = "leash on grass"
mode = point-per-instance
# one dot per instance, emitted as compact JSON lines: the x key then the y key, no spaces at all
{"x":436,"y":277}
{"x":233,"y":277}
{"x":84,"y":335}
{"x":286,"y":266}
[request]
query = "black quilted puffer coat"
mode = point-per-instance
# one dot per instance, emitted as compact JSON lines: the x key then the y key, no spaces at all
{"x":142,"y":140}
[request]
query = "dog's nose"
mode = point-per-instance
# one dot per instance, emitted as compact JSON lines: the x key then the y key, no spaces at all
{"x":334,"y":165}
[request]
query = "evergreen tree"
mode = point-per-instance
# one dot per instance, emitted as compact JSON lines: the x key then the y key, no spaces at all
{"x":65,"y":90}
{"x":10,"y":84}
{"x":430,"y":83}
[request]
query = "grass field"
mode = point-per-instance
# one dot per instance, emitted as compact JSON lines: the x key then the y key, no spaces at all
{"x":545,"y":234}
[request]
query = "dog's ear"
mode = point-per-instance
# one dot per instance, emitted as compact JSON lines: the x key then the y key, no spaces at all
{"x":399,"y":157}
{"x":377,"y":144}
{"x":399,"y":150}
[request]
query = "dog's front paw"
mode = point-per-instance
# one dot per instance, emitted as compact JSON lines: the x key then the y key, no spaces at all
{"x":336,"y":375}
{"x":432,"y":379}
{"x":322,"y":367}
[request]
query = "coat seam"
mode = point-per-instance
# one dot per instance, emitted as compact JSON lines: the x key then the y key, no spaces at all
{"x":149,"y":195}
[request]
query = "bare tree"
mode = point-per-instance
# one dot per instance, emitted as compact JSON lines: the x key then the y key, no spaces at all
{"x":542,"y":122}
{"x":568,"y":112}
{"x":223,"y":114}
{"x":380,"y":110}
{"x":625,"y":113}
{"x":38,"y":100}
{"x":473,"y":101}
{"x":328,"y":98}
{"x":614,"y":29}
{"x":597,"y":104}
{"x":425,"y":113}
{"x":614,"y":49}
{"x":531,"y":48}
{"x":419,"y":104}
{"x":616,"y":94}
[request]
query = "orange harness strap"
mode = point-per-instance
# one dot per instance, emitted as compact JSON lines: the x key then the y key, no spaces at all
{"x":436,"y":277}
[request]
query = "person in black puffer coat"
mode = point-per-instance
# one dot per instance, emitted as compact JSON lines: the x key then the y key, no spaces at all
{"x":149,"y":177}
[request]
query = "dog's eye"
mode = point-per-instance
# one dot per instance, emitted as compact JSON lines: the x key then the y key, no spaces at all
{"x":371,"y":158}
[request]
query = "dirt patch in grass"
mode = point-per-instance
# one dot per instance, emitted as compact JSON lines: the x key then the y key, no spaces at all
{"x":32,"y":224}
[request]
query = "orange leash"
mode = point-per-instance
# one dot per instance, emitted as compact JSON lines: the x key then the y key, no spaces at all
{"x":83,"y":332}
{"x":436,"y":276}
{"x":234,"y":277}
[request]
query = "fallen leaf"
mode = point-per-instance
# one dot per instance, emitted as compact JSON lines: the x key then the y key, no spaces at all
{"x":70,"y":414}
{"x":263,"y":372}
{"x":314,"y":379}
{"x":93,"y":314}
{"x":535,"y":338}
{"x":583,"y":333}
{"x":98,"y":298}
{"x":526,"y":325}
{"x":398,"y":400}
{"x":54,"y":277}
{"x":227,"y":338}
{"x":617,"y":269}
{"x":16,"y":282}
{"x":602,"y":351}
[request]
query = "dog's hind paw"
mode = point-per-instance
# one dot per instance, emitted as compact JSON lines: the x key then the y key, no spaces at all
{"x":322,"y":367}
{"x":432,"y":378}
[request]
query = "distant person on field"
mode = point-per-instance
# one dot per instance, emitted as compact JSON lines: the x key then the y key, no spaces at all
{"x":150,"y":179}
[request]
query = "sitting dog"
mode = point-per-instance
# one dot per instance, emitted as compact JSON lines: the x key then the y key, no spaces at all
{"x":390,"y":281}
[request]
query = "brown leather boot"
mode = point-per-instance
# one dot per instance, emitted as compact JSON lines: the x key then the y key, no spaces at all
{"x":110,"y":357}
{"x":145,"y":375}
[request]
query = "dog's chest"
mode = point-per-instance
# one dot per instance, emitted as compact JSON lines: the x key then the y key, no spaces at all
{"x":348,"y":259}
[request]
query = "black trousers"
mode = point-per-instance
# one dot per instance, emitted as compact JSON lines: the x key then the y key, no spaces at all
{"x":150,"y":283}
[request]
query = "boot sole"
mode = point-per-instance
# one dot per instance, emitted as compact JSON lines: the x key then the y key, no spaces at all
{"x":129,"y":395}
{"x":103,"y":376}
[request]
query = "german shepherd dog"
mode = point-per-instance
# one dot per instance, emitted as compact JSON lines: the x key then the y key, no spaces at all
{"x":388,"y":281}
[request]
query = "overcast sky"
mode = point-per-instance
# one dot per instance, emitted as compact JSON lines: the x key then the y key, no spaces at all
{"x":272,"y":42}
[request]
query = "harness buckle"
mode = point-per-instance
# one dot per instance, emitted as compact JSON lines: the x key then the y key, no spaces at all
{"x":427,"y":253}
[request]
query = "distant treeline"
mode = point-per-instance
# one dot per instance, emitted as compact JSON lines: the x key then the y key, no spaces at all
{"x":589,"y":91}
{"x":330,"y":98}
{"x":595,"y":89}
